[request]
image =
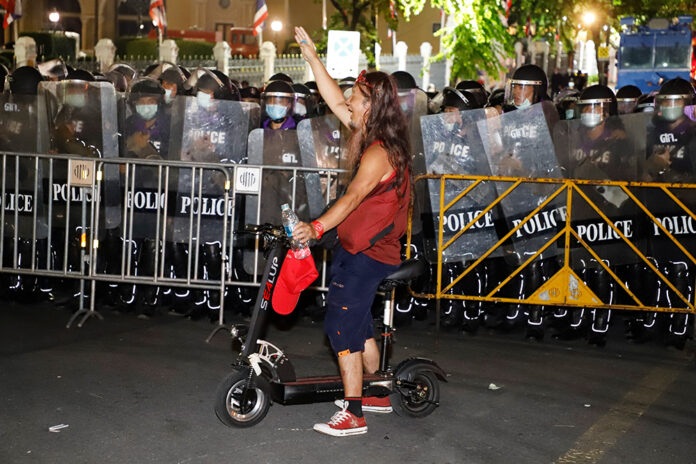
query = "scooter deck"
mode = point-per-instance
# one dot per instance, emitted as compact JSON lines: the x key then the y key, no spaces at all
{"x":308,"y":390}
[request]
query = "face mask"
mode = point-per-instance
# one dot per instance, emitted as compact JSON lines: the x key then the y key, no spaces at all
{"x":300,"y":109}
{"x":168,"y":96}
{"x":525,"y":104}
{"x":590,"y":119}
{"x":276,"y":112}
{"x":146,"y":112}
{"x":449,"y":126}
{"x":205,"y":100}
{"x":404,"y":107}
{"x":76,"y":100}
{"x":569,"y":114}
{"x":672,"y":113}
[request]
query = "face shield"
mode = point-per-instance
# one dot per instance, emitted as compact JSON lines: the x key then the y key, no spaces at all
{"x":521,"y":93}
{"x":671,"y":107}
{"x":75,"y":94}
{"x":626,"y":105}
{"x":592,"y":112}
{"x":278,"y":105}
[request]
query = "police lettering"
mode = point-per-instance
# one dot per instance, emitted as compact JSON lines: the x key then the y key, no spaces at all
{"x":602,"y":232}
{"x":668,"y":138}
{"x":146,"y":200}
{"x":11,"y":108}
{"x":215,"y":137}
{"x":206,"y":207}
{"x":20,"y":203}
{"x":676,"y":225}
{"x":528,"y":131}
{"x":458,"y":221}
{"x":77,"y":194}
{"x":289,"y":158}
{"x":541,"y":222}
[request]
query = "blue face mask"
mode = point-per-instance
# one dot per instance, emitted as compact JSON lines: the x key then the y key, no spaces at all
{"x":525,"y":104}
{"x":76,"y":100}
{"x":147,"y":112}
{"x":276,"y":112}
{"x":404,"y":107}
{"x":569,"y":114}
{"x":590,"y":119}
{"x":168,"y":97}
{"x":300,"y":109}
{"x":205,"y":100}
{"x":672,"y":113}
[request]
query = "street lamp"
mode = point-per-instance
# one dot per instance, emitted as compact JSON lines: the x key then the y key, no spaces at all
{"x":589,"y":18}
{"x":276,"y":26}
{"x":54,"y":17}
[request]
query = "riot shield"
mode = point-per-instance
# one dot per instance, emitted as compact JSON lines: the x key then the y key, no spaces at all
{"x":453,"y":146}
{"x":144,"y":137}
{"x":519,"y":144}
{"x":80,"y":119}
{"x":670,"y":157}
{"x":609,"y":151}
{"x":322,"y":142}
{"x":214,"y":134}
{"x":19,"y":131}
{"x":275,"y":148}
{"x":415,"y":105}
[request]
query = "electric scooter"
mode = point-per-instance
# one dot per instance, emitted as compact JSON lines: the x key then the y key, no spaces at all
{"x":263,"y":374}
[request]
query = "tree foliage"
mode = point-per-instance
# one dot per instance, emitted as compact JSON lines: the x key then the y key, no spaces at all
{"x":476,"y":37}
{"x":358,"y":15}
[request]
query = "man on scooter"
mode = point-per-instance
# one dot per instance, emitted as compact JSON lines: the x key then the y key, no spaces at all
{"x":370,"y":219}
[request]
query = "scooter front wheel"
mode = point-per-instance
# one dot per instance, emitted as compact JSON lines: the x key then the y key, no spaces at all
{"x":240,"y":401}
{"x":417,"y":393}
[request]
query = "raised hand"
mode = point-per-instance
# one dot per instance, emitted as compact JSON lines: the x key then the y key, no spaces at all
{"x":309,"y":50}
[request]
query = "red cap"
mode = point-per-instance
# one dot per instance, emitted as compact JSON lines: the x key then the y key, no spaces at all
{"x":295,"y":276}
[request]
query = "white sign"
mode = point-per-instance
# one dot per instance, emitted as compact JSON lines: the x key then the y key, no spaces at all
{"x":81,"y":173}
{"x":343,"y":54}
{"x":247,"y":180}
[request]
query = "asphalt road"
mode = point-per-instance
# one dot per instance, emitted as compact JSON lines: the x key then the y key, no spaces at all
{"x":134,"y":391}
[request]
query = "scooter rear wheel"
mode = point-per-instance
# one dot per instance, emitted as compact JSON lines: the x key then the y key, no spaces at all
{"x":418,"y":396}
{"x":239,"y":401}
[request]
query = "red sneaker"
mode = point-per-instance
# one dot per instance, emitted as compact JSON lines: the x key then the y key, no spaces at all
{"x":343,"y":424}
{"x":377,"y":404}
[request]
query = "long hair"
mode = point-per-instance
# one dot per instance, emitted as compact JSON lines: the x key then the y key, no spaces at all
{"x":386,"y":123}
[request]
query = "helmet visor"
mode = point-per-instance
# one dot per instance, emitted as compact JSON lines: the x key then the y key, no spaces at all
{"x":521,"y":93}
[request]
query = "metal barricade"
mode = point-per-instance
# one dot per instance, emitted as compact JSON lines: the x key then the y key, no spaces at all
{"x":565,"y":287}
{"x":83,"y":183}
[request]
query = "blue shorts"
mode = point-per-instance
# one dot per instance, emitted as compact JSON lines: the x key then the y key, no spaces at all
{"x":354,"y":282}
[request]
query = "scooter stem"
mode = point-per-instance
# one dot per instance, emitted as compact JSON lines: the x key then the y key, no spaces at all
{"x":388,"y":320}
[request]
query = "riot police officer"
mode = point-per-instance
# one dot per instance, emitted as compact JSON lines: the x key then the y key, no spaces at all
{"x":627,"y":98}
{"x":278,"y":100}
{"x":304,"y":103}
{"x":671,"y":157}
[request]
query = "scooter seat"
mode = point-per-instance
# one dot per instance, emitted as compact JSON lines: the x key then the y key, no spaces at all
{"x":408,"y":271}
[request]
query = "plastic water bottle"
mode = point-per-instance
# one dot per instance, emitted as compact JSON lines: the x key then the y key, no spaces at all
{"x":290,"y":220}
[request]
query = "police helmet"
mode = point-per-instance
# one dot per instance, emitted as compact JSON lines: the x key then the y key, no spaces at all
{"x":250,"y":92}
{"x":124,"y":69}
{"x":150,"y":68}
{"x":496,"y":98}
{"x":404,"y":80}
{"x":346,"y":83}
{"x":144,"y":86}
{"x":527,"y":86}
{"x":673,"y":96}
{"x":211,"y":83}
{"x":646,"y":103}
{"x":53,"y":69}
{"x":118,"y":80}
{"x":3,"y":76}
{"x":185,"y":72}
{"x":627,"y":98}
{"x":565,"y":103}
{"x":281,"y":77}
{"x":595,"y":104}
{"x":304,"y":101}
{"x":233,"y":93}
{"x":80,"y":75}
{"x":25,"y":81}
{"x":312,"y":86}
{"x":476,"y":89}
{"x":173,"y":75}
{"x":460,"y":99}
{"x":280,"y":93}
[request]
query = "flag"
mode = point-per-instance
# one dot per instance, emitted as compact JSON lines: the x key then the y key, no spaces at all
{"x":157,"y":13}
{"x":392,"y":13}
{"x":260,"y":16}
{"x":13,"y":10}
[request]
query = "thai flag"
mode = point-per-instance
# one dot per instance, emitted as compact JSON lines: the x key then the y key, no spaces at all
{"x":13,"y":10}
{"x":157,"y":13}
{"x":260,"y":16}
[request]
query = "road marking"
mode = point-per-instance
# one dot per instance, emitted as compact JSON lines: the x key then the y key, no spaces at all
{"x":604,"y":433}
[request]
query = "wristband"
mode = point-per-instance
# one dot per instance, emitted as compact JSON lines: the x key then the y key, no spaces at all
{"x":318,"y":228}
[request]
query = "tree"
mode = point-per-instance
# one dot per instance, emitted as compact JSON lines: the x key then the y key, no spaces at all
{"x":359,"y":15}
{"x":476,"y":37}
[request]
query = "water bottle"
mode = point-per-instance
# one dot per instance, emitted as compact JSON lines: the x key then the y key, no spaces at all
{"x":290,"y":220}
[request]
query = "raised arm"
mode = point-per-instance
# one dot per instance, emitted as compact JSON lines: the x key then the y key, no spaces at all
{"x":328,"y":88}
